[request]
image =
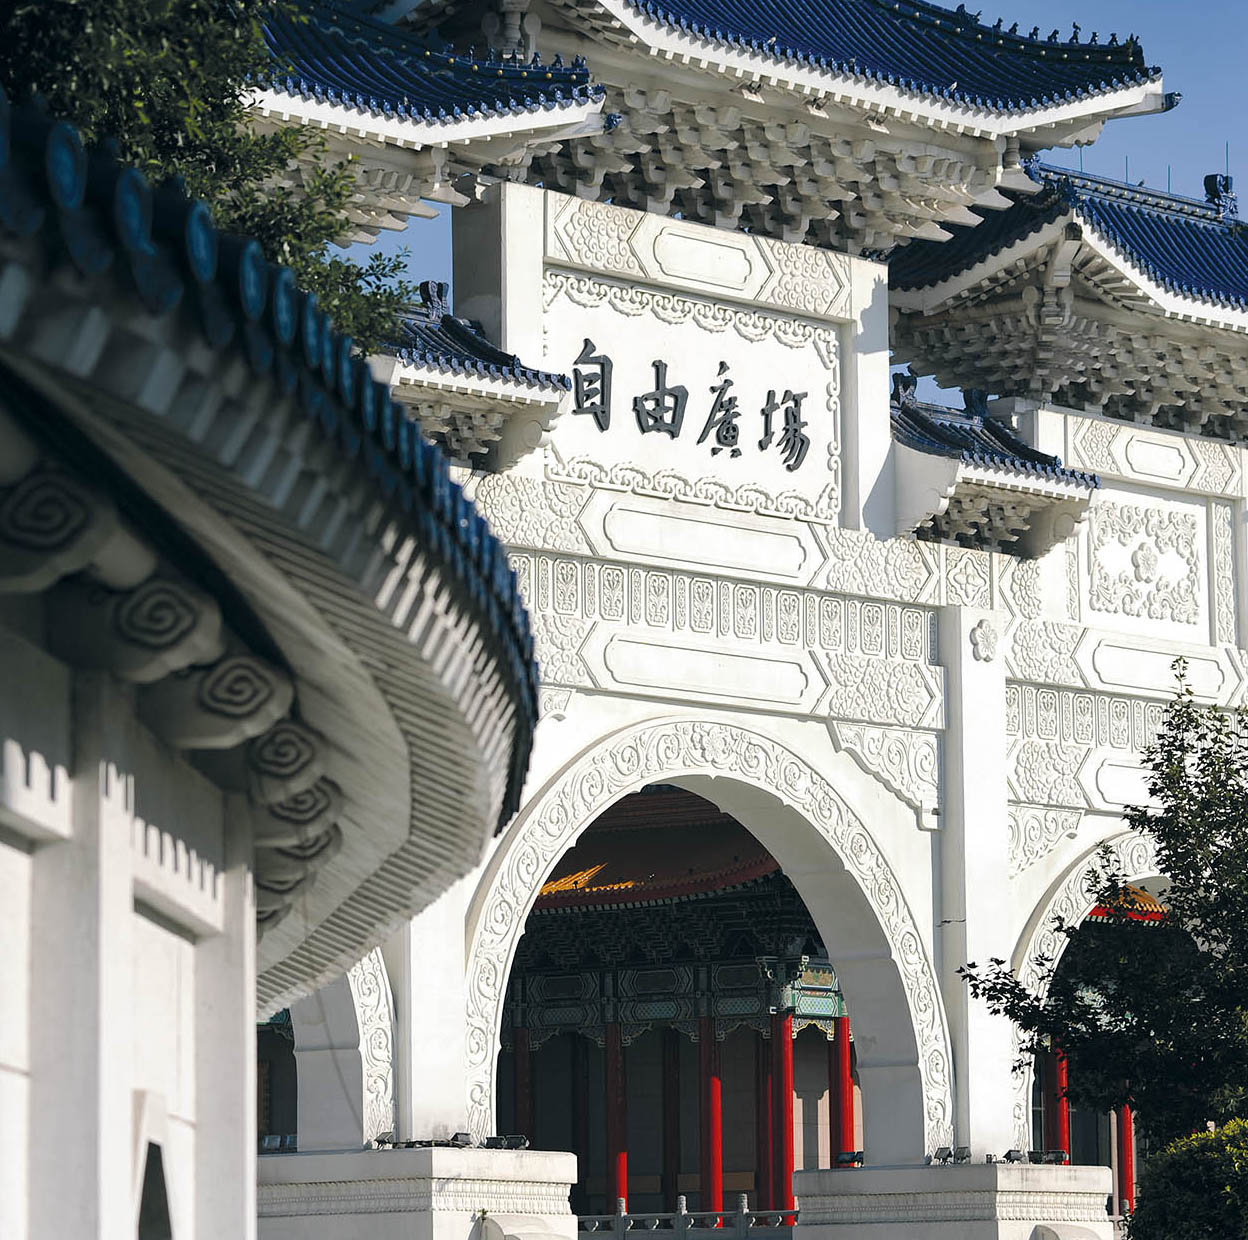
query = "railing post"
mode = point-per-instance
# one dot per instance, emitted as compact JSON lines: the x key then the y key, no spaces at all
{"x":620,"y":1223}
{"x":680,"y":1221}
{"x":741,"y":1226}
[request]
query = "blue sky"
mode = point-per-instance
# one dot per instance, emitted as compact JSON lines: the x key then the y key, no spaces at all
{"x":1202,"y":45}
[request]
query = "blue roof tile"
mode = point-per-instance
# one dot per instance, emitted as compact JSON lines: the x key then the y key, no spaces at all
{"x":916,"y":46}
{"x":328,"y":54}
{"x":1193,"y":248}
{"x":158,"y":245}
{"x":431,"y":336}
{"x":972,"y":435}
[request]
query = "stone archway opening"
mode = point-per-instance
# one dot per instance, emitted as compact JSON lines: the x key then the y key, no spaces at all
{"x":674,"y":1017}
{"x":1070,"y":1132}
{"x":852,"y":895}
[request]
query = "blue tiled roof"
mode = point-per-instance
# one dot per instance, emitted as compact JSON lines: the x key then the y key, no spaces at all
{"x":1190,"y":247}
{"x":348,"y":59}
{"x":915,"y":46}
{"x":431,"y":336}
{"x":162,"y":248}
{"x":972,"y":435}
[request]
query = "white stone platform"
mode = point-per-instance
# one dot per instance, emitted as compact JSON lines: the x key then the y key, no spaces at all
{"x":973,"y":1201}
{"x":434,"y":1193}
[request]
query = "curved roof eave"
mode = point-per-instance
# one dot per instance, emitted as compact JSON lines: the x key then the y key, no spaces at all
{"x":1146,"y":236}
{"x":949,"y":107}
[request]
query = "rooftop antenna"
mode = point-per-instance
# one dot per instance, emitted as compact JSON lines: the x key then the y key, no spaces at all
{"x":1081,"y":159}
{"x":1228,"y":157}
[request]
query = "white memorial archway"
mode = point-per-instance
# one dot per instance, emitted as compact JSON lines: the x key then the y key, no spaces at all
{"x":856,"y":901}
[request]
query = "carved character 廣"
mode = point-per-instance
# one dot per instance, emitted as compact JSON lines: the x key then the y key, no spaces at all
{"x":723,"y":417}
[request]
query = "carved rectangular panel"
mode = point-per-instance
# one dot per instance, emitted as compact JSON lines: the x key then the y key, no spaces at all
{"x":619,"y":241}
{"x":1147,"y":566}
{"x":1154,"y":458}
{"x":690,"y":398}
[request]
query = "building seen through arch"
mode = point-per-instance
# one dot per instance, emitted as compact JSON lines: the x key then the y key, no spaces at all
{"x":674,"y":1018}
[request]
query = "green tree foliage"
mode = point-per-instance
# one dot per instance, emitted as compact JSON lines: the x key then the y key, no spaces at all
{"x":168,"y":80}
{"x":1155,"y":1013}
{"x":1196,"y":1188}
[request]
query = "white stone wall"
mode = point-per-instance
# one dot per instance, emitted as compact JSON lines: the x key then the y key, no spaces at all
{"x":127,"y":950}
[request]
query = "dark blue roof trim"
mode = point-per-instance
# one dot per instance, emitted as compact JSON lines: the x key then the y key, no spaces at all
{"x":915,"y":46}
{"x":357,"y":62}
{"x":1193,"y":248}
{"x":972,"y":435}
{"x":433,"y":337}
{"x":163,"y":249}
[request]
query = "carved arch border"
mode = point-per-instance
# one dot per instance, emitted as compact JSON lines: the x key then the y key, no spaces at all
{"x":1071,"y":900}
{"x":626,"y":761}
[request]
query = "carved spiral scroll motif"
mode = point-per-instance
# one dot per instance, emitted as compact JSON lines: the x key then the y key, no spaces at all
{"x":283,"y":763}
{"x":50,"y":526}
{"x":627,"y":762}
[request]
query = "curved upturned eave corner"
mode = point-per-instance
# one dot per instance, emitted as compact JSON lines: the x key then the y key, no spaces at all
{"x":223,"y":407}
{"x":1027,"y":84}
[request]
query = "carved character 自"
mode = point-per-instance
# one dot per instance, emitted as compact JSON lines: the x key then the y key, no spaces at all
{"x":591,"y":389}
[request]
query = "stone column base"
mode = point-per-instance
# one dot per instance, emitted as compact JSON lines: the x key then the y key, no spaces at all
{"x":971,"y":1201}
{"x":436,"y":1193}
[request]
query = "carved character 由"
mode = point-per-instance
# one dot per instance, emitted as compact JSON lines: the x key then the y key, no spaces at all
{"x":662,"y":409}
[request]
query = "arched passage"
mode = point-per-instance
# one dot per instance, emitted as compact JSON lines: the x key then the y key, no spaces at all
{"x":1041,"y":945}
{"x":344,"y":1059}
{"x":854,"y":898}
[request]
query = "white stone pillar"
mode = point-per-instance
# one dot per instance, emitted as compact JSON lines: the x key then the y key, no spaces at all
{"x":425,"y":960}
{"x":344,"y":1059}
{"x":225,"y":1052}
{"x":867,"y":437}
{"x":81,"y":970}
{"x":973,"y":899}
{"x":497,"y":247}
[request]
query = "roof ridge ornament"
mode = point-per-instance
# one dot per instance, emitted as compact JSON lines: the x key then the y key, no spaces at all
{"x":1220,"y":194}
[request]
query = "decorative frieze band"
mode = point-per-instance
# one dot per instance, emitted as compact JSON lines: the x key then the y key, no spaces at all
{"x":1073,"y":749}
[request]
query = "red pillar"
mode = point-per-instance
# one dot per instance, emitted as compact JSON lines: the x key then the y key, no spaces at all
{"x":841,"y":1080}
{"x":1056,"y":1110}
{"x":782,"y":1076}
{"x":617,"y":1119}
{"x":1126,"y":1159}
{"x":671,"y":1118}
{"x":765,"y":1127}
{"x":1061,"y":1130}
{"x":710,"y":1114}
{"x":523,"y":1074}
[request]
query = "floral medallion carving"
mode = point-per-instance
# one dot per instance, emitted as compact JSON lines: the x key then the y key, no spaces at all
{"x":984,"y":642}
{"x":627,"y":762}
{"x":1145,"y":562}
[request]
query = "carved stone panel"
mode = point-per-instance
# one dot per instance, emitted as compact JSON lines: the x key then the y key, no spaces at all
{"x":685,"y":397}
{"x":1147,"y":566}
